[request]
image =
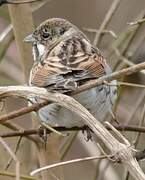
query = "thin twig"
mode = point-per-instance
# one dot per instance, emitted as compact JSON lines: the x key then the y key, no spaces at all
{"x":13,"y":156}
{"x":22,"y":111}
{"x":16,"y":2}
{"x":16,"y":149}
{"x":114,"y":75}
{"x":125,"y":141}
{"x":140,"y":21}
{"x":106,"y":20}
{"x":136,"y":140}
{"x":5,"y":33}
{"x":12,"y":175}
{"x":119,"y":83}
{"x":139,"y":100}
{"x":112,"y":33}
{"x":66,"y":145}
{"x":124,"y":42}
{"x":27,"y":132}
{"x":6,"y":37}
{"x":70,"y":162}
{"x":17,"y":128}
{"x":141,"y":122}
{"x":123,"y":58}
{"x":140,"y":155}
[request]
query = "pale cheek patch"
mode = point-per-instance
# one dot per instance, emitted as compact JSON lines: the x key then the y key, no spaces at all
{"x":41,"y":49}
{"x":38,"y":50}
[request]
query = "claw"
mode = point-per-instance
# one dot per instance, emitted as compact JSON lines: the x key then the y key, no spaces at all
{"x":43,"y":134}
{"x":88,"y":133}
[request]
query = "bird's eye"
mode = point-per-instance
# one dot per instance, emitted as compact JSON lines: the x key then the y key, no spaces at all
{"x":45,"y":34}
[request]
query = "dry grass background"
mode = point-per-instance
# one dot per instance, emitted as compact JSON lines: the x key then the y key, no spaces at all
{"x":16,"y":59}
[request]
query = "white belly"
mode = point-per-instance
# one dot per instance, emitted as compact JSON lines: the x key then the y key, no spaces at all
{"x":97,"y":100}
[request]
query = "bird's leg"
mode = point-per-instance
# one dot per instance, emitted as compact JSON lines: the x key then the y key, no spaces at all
{"x":43,"y":132}
{"x":88,"y":132}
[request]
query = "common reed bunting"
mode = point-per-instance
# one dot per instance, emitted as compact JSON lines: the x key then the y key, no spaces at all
{"x":64,"y":59}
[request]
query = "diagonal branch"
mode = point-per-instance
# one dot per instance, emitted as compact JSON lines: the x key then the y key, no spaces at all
{"x":140,"y":21}
{"x":106,"y":20}
{"x":123,"y":152}
{"x":114,"y":75}
{"x":69,"y":162}
{"x":12,"y":154}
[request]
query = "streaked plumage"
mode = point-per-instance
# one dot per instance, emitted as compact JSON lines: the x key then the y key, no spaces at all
{"x":63,"y":60}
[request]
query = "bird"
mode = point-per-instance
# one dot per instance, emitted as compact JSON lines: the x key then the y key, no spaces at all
{"x":65,"y":59}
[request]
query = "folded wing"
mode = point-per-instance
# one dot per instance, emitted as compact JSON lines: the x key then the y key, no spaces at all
{"x":68,"y":65}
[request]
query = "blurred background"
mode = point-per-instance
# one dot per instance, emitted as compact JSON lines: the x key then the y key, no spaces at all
{"x":122,"y":44}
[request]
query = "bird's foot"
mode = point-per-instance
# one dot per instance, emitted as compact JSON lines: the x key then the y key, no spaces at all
{"x":88,"y":133}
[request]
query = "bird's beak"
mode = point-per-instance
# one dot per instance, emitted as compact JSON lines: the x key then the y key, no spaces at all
{"x":29,"y":39}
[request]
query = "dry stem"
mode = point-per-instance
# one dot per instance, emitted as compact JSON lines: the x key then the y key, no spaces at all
{"x":13,"y":156}
{"x":123,"y":152}
{"x":70,"y":162}
{"x":27,"y":132}
{"x":106,"y":21}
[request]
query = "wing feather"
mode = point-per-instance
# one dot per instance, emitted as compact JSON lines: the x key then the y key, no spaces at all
{"x":66,"y":68}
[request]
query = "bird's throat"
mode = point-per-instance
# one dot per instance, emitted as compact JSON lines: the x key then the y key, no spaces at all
{"x":38,"y":51}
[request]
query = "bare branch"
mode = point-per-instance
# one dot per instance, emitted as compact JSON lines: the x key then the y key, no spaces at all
{"x":70,"y":162}
{"x":5,"y":33}
{"x":6,"y":37}
{"x":114,"y":75}
{"x":106,"y":21}
{"x":141,"y":122}
{"x":112,"y":33}
{"x":140,"y":21}
{"x":15,"y":127}
{"x":136,"y":140}
{"x":16,"y":2}
{"x":12,"y":175}
{"x":123,"y":153}
{"x":125,"y":84}
{"x":27,"y":132}
{"x":16,"y":149}
{"x":13,"y":156}
{"x":22,"y":111}
{"x":123,"y":58}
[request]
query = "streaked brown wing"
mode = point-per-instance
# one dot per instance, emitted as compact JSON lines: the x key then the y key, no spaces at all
{"x":48,"y":73}
{"x":65,"y":70}
{"x":93,"y":65}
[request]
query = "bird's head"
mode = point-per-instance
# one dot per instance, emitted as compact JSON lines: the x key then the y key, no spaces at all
{"x":50,"y":33}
